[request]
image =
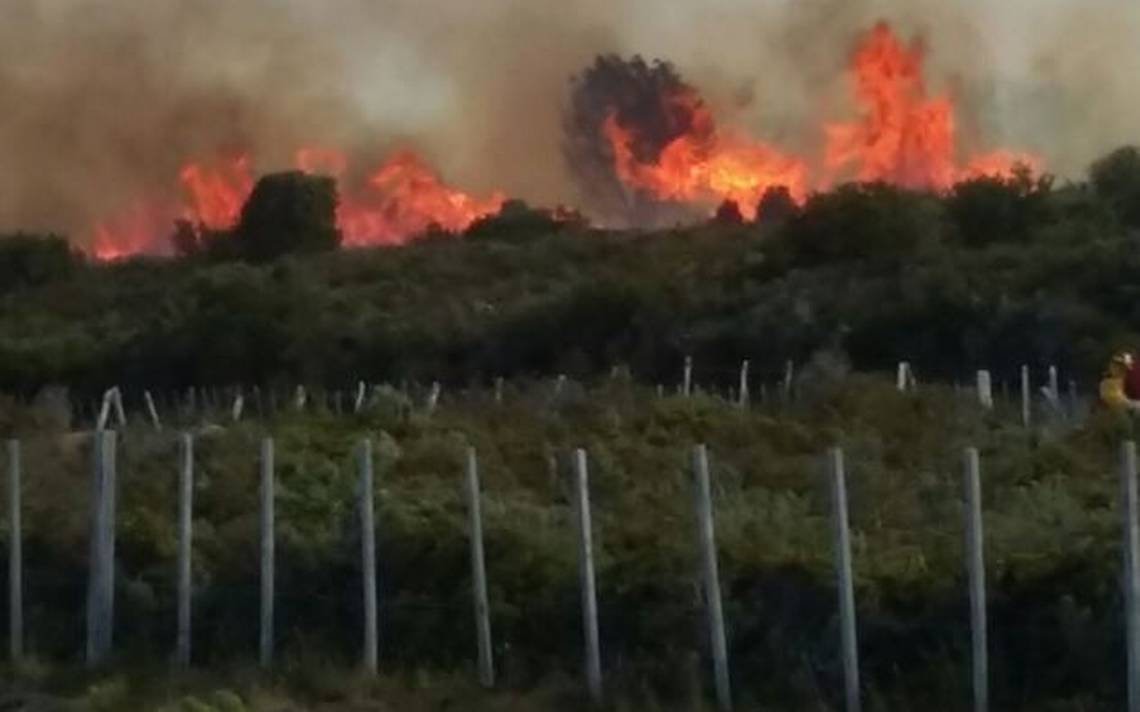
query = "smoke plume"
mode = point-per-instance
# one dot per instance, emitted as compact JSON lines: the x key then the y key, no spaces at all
{"x":105,"y":100}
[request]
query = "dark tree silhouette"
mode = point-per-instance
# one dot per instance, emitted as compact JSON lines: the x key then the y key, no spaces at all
{"x":288,"y":212}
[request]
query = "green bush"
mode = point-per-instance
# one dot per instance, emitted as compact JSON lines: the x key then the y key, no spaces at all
{"x":1116,"y":178}
{"x":33,"y":260}
{"x":1051,"y":524}
{"x":288,"y":213}
{"x":862,"y":220}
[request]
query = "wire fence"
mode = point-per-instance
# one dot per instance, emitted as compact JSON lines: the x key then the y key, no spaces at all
{"x":346,"y":610}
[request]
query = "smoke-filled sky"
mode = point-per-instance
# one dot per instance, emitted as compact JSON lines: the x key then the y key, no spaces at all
{"x":103,"y":100}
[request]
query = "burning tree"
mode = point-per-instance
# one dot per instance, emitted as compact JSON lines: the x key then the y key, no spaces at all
{"x":628,"y":92}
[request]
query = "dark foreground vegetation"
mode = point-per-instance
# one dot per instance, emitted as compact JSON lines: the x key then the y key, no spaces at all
{"x":1052,"y":523}
{"x":992,"y":274}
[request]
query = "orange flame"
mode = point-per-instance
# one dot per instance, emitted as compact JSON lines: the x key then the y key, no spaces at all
{"x":130,"y":233}
{"x":216,"y":195}
{"x":903,"y":136}
{"x":706,"y":166}
{"x":1000,"y":164}
{"x":402,"y":199}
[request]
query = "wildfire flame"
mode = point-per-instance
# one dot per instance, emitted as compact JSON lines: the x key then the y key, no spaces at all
{"x":216,"y":194}
{"x":706,"y":165}
{"x":902,"y":136}
{"x":403,"y":198}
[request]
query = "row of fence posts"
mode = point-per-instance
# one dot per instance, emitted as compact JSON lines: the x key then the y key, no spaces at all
{"x":740,"y":395}
{"x":100,"y":592}
{"x":1051,"y":392}
{"x":904,"y":382}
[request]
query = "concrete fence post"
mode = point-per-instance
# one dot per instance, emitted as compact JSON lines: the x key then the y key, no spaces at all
{"x":479,"y":571}
{"x":985,"y":390}
{"x":586,"y":571}
{"x":742,"y":392}
{"x":976,"y":570}
{"x":368,"y":558}
{"x":842,"y":535}
{"x":361,"y":397}
{"x":101,"y":575}
{"x":706,"y":538}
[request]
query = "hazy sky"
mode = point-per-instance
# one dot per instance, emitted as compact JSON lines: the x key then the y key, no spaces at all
{"x":104,"y":99}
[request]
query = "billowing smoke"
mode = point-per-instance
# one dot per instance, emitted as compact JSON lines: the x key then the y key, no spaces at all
{"x":104,"y":100}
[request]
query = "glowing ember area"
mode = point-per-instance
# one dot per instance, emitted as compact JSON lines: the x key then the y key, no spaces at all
{"x":402,"y":199}
{"x":216,"y":194}
{"x":704,"y":165}
{"x":406,"y":198}
{"x":904,"y":136}
{"x":1000,"y":164}
{"x":130,"y":233}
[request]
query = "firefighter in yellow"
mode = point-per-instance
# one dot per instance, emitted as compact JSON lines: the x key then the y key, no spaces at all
{"x":1112,"y":385}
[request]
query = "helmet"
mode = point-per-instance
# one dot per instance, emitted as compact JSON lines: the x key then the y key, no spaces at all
{"x":1120,"y":364}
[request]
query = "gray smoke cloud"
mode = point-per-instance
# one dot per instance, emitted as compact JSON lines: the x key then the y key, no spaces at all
{"x":103,"y":100}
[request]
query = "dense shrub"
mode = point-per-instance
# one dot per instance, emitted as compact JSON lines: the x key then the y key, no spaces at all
{"x":30,"y":260}
{"x":995,"y":273}
{"x":1116,"y":178}
{"x":989,"y":210}
{"x":862,"y":220}
{"x":288,"y":213}
{"x":1051,"y":524}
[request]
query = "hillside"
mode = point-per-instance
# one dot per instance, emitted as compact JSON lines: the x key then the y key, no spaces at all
{"x":993,"y":274}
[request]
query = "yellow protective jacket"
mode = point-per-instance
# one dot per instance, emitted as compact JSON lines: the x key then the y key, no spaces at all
{"x":1112,"y":392}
